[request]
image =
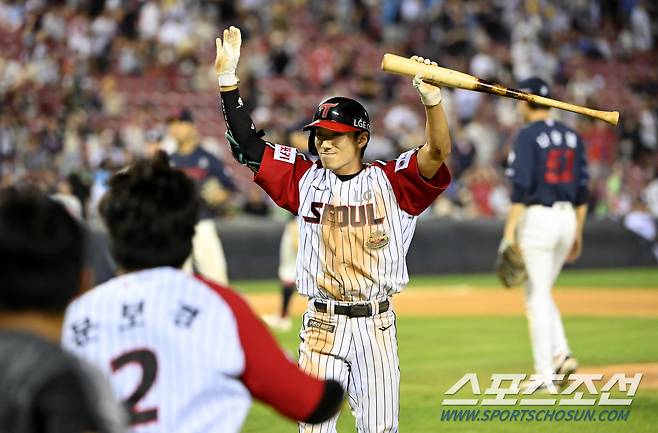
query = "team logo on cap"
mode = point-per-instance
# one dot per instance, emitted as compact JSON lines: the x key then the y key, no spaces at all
{"x":326,"y":107}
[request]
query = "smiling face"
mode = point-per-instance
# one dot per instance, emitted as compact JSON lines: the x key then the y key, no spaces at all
{"x":340,"y":152}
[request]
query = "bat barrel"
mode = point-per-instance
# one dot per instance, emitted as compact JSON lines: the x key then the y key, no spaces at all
{"x":451,"y":78}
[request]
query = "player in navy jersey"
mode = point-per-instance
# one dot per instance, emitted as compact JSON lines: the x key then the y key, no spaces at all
{"x":356,"y":222}
{"x":548,"y":173}
{"x":215,"y":188}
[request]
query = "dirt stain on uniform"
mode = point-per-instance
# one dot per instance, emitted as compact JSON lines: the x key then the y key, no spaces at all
{"x":348,"y":255}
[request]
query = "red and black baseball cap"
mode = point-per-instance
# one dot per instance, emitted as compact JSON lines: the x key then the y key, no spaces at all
{"x":339,"y":114}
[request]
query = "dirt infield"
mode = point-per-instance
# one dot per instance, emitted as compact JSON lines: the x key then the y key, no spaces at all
{"x":465,"y":301}
{"x":649,"y":372}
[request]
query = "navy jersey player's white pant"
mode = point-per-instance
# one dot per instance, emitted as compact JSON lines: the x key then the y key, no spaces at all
{"x":546,"y":235}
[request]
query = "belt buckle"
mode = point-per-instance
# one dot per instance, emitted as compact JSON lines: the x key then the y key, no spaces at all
{"x":360,"y":310}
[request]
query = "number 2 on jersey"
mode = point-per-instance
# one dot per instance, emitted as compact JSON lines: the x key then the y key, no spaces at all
{"x":148,"y":362}
{"x":559,"y":166}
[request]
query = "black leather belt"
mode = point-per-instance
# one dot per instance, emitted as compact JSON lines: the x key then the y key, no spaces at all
{"x":355,"y":310}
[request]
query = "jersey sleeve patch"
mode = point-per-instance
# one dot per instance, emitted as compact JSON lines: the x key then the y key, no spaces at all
{"x":403,"y":160}
{"x":284,"y":153}
{"x":280,"y":172}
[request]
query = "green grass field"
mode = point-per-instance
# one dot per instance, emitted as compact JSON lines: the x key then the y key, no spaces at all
{"x":437,"y":351}
{"x":639,"y":278}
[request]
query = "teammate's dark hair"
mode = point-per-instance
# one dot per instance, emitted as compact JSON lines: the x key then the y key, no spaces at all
{"x":41,"y":252}
{"x":150,"y":210}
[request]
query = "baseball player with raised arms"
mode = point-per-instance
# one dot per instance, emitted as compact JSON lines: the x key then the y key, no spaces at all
{"x":184,"y":354}
{"x":548,"y":171}
{"x":356,"y":224}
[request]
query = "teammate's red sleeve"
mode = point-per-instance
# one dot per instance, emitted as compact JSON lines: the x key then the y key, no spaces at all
{"x":413,"y":192}
{"x":270,"y":376}
{"x":280,"y":171}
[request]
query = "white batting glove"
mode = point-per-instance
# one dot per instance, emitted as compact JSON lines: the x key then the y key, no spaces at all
{"x":228,"y":54}
{"x":430,"y":95}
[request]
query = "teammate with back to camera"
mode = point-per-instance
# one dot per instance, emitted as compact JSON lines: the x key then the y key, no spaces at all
{"x":548,"y":171}
{"x":184,"y":354}
{"x":356,"y":224}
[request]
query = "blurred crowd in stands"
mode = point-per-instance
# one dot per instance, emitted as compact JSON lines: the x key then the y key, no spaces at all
{"x":88,"y":85}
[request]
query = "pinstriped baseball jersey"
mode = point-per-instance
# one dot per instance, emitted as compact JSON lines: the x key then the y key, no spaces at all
{"x":354,"y":234}
{"x":183,"y":354}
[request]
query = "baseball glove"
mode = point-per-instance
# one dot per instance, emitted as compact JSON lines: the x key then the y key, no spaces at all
{"x":510,"y":268}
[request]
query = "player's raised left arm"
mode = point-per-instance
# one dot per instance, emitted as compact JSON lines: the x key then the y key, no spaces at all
{"x":437,"y":147}
{"x":420,"y":175}
{"x":277,"y":169}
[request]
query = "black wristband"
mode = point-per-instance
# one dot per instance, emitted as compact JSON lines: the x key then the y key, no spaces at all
{"x":329,"y":404}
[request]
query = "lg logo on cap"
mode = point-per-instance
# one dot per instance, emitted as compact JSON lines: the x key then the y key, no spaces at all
{"x":360,"y":123}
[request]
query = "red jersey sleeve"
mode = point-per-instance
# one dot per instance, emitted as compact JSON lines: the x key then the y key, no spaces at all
{"x":268,"y":374}
{"x":413,"y":192}
{"x":280,"y":171}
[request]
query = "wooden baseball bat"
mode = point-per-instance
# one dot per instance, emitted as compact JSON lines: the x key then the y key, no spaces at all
{"x":451,"y":78}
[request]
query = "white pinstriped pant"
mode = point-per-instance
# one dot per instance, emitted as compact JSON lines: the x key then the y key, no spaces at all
{"x":546,"y":235}
{"x":360,"y":353}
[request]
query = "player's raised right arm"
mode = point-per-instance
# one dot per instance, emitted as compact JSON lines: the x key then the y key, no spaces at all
{"x":278,"y":168}
{"x":246,"y":143}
